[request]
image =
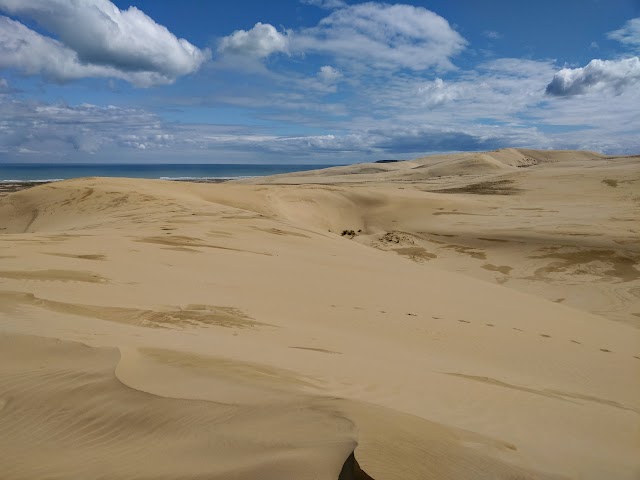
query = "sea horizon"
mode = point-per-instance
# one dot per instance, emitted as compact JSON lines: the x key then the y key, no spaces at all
{"x":46,"y":172}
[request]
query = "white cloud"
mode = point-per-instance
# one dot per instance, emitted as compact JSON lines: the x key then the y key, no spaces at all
{"x":62,"y":128}
{"x":94,"y":39}
{"x":433,"y":94}
{"x":327,"y":4}
{"x":328,"y":74}
{"x":392,"y":102}
{"x":77,"y":131}
{"x":608,"y":124}
{"x":517,"y":67}
{"x":383,"y":36}
{"x":496,"y":91}
{"x":492,"y":34}
{"x":629,"y":34}
{"x":377,"y":35}
{"x":261,"y":41}
{"x":104,"y":133}
{"x":33,"y":54}
{"x":599,"y":76}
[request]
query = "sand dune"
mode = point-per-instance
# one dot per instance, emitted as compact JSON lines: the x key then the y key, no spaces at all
{"x":435,"y":166}
{"x":478,"y":319}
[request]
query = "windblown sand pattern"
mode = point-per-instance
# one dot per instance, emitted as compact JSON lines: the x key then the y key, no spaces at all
{"x":470,"y":316}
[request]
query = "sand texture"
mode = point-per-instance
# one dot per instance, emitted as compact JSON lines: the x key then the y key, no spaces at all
{"x":468,"y":316}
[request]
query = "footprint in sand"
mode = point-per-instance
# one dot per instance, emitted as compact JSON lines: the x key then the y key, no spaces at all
{"x":575,"y":341}
{"x":605,"y":350}
{"x":489,"y":324}
{"x":545,"y":335}
{"x":518,"y":329}
{"x":412,"y":314}
{"x":464,"y":321}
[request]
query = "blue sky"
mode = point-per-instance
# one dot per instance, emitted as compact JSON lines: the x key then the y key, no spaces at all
{"x":314,"y":81}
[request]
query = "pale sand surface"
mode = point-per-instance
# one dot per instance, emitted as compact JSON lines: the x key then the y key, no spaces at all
{"x":483,"y":322}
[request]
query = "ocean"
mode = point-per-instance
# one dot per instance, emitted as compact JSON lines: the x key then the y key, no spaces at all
{"x":41,"y":172}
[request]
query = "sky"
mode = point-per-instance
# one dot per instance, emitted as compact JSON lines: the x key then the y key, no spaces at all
{"x":314,"y":81}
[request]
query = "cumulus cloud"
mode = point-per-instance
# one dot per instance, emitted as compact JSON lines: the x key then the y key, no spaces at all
{"x":261,"y":41}
{"x":375,"y":53}
{"x":32,"y":53}
{"x":375,"y":34}
{"x":94,"y":38}
{"x":629,"y":34}
{"x":614,"y":76}
{"x":437,"y":93}
{"x":384,"y":36}
{"x":328,"y":74}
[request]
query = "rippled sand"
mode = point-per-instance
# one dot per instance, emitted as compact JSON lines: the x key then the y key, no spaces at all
{"x":455,"y":317}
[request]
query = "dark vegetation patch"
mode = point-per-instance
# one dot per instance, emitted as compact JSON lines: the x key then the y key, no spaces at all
{"x":417,"y":254}
{"x":10,"y":187}
{"x":505,"y":269}
{"x":498,"y":187}
{"x":442,"y":234}
{"x":472,"y":252}
{"x":621,"y":266}
{"x":397,"y":238}
{"x":502,"y":240}
{"x":91,"y":256}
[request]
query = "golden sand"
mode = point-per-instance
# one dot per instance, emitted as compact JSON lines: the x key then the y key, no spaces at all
{"x":479,"y":318}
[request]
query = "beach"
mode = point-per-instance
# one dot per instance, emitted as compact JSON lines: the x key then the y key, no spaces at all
{"x":461,"y":316}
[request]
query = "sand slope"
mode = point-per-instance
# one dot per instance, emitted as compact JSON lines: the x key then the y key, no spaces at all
{"x":564,"y":228}
{"x":154,"y":329}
